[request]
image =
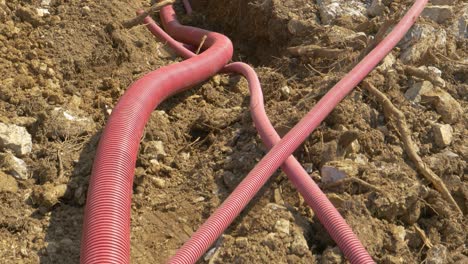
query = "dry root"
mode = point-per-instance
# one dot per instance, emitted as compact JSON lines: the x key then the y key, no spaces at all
{"x":314,"y":50}
{"x":153,"y":9}
{"x":391,"y":111}
{"x":419,"y":73}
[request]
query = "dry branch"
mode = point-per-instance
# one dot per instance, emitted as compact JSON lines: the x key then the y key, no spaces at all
{"x":153,"y":9}
{"x":419,"y":73}
{"x":314,"y":50}
{"x":399,"y":118}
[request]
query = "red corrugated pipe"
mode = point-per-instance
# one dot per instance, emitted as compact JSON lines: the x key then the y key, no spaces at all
{"x":106,"y":234}
{"x":315,"y":198}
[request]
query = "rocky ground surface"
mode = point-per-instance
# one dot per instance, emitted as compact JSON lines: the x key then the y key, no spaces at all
{"x":65,"y":63}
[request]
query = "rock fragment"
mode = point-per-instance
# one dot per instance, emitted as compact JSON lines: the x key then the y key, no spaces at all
{"x":414,"y":93}
{"x":438,"y":13}
{"x":16,"y":139}
{"x":443,"y":134}
{"x":334,"y":171}
{"x":282,"y":226}
{"x":7,"y":183}
{"x":445,"y":105}
{"x":14,"y":166}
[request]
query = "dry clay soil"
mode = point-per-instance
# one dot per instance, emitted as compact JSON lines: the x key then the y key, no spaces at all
{"x":62,"y":73}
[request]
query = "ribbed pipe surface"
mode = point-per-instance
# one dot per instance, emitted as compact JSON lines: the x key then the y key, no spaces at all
{"x":334,"y":223}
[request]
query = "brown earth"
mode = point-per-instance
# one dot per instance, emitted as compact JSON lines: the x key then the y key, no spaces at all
{"x":77,"y":61}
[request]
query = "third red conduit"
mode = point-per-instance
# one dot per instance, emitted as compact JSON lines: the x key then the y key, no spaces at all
{"x":106,"y":234}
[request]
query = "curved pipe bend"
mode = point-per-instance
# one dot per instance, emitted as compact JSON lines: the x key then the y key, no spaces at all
{"x":315,"y":198}
{"x":106,"y":234}
{"x":106,"y":228}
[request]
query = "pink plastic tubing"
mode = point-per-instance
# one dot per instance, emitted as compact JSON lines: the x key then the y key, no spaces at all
{"x":106,"y":234}
{"x":215,"y":225}
{"x":315,"y":198}
{"x":106,"y":229}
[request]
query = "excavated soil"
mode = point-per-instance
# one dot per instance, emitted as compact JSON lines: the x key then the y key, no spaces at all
{"x":65,"y":63}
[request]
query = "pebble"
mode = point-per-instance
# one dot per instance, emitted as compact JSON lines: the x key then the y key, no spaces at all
{"x":299,"y":245}
{"x":155,"y":148}
{"x":285,"y":90}
{"x":282,"y":226}
{"x":376,"y":8}
{"x":14,"y":166}
{"x":446,"y":106}
{"x":443,"y":134}
{"x":334,"y":171}
{"x":160,"y":183}
{"x":331,"y":10}
{"x":438,"y":13}
{"x":242,"y":242}
{"x":7,"y":183}
{"x":15,"y":138}
{"x":418,"y":40}
{"x":436,"y":255}
{"x":414,"y":93}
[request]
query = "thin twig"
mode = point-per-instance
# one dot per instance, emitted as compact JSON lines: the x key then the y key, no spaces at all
{"x":408,"y":144}
{"x":352,"y":179}
{"x":201,"y":44}
{"x":423,"y":236}
{"x":153,"y":9}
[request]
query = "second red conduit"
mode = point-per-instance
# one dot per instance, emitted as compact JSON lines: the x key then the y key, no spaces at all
{"x":106,"y":234}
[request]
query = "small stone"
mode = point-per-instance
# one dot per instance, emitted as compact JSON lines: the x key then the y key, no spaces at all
{"x":282,"y":226}
{"x":52,"y":248}
{"x":49,"y":194}
{"x":160,"y":183}
{"x":42,"y":12}
{"x":446,"y":106}
{"x":436,"y":255}
{"x":277,"y":197}
{"x":376,"y":8}
{"x":66,"y":242}
{"x":7,"y":183}
{"x":419,"y":39}
{"x":155,"y":148}
{"x":332,"y":10}
{"x":14,"y":166}
{"x":443,"y":134}
{"x":332,"y":256}
{"x":69,"y":123}
{"x":439,"y":14}
{"x":242,"y":242}
{"x":334,"y":171}
{"x":414,"y":93}
{"x":387,"y":63}
{"x":285,"y":90}
{"x":271,"y":241}
{"x":230,"y":179}
{"x":15,"y":138}
{"x":86,"y":10}
{"x":299,"y":245}
{"x":199,"y":199}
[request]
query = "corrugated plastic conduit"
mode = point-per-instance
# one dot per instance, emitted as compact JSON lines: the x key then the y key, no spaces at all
{"x":106,"y":230}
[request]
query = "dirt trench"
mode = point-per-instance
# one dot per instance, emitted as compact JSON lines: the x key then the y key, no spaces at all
{"x":62,"y":73}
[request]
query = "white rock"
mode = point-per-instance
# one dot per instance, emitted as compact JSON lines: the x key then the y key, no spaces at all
{"x":15,"y":138}
{"x":387,"y":63}
{"x":443,"y":134}
{"x":45,"y":2}
{"x":436,"y":255}
{"x":42,"y":12}
{"x":420,"y":88}
{"x":336,"y":170}
{"x":299,"y":245}
{"x":285,"y":90}
{"x":14,"y":166}
{"x":419,"y":39}
{"x":155,"y":148}
{"x":330,"y":10}
{"x":446,"y":106}
{"x":439,"y":14}
{"x":69,"y":123}
{"x":282,"y":226}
